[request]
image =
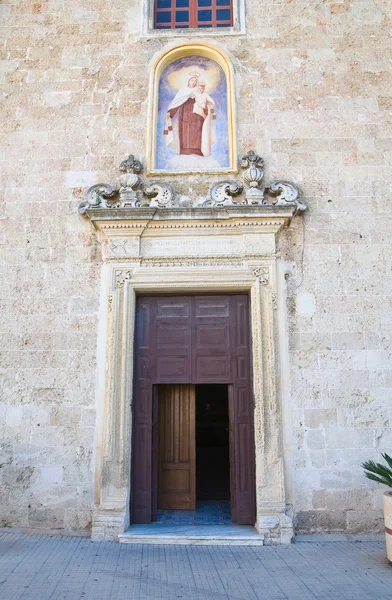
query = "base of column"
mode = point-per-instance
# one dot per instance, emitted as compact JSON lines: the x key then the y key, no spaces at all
{"x":276,"y":528}
{"x":108,"y":524}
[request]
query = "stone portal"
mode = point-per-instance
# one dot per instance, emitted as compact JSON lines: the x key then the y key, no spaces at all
{"x":189,"y":340}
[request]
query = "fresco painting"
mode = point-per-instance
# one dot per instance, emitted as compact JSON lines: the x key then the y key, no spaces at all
{"x":192,"y":125}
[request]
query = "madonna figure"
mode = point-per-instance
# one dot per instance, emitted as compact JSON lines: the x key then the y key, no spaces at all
{"x":189,"y":123}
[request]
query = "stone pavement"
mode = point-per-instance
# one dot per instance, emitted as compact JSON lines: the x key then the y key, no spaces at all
{"x":43,"y":567}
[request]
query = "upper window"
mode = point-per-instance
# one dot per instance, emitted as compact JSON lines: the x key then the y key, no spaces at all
{"x":180,"y":14}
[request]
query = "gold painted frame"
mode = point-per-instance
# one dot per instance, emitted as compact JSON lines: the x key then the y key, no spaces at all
{"x":189,"y":49}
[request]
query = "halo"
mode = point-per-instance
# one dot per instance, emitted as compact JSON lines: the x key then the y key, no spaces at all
{"x":210,"y":76}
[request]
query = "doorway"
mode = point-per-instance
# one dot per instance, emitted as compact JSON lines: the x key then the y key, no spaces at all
{"x":194,"y":455}
{"x":212,"y":443}
{"x":197,"y":348}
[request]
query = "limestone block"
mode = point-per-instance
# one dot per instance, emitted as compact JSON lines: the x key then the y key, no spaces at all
{"x":353,"y":499}
{"x":349,"y":437}
{"x":336,"y":479}
{"x":365,"y":521}
{"x":319,"y":500}
{"x":321,"y":520}
{"x":210,"y":245}
{"x":88,"y":417}
{"x":14,"y":416}
{"x":77,"y":519}
{"x":315,"y":418}
{"x":315,"y":440}
{"x":46,"y":518}
{"x":51,"y":475}
{"x":75,"y":179}
{"x":65,"y":415}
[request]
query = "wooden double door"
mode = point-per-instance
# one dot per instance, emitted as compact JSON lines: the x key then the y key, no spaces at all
{"x":181,"y":341}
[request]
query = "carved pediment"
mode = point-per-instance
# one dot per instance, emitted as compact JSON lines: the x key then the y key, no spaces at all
{"x":135,"y":192}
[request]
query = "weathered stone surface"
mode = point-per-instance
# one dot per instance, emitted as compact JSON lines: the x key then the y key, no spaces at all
{"x":313,"y":95}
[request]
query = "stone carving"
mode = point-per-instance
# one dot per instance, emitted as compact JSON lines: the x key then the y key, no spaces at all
{"x":98,"y":196}
{"x":131,"y":165}
{"x":121,"y":276}
{"x":162,"y":195}
{"x":284,"y":192}
{"x":263,"y":274}
{"x":130,"y":182}
{"x":123,"y":247}
{"x":205,"y":261}
{"x":274,"y":299}
{"x":253,"y":176}
{"x":134,"y":193}
{"x":222,"y":193}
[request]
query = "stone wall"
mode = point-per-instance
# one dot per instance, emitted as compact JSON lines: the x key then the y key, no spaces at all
{"x":313,"y":100}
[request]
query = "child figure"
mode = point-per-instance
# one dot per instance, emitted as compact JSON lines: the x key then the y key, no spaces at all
{"x":203,"y":102}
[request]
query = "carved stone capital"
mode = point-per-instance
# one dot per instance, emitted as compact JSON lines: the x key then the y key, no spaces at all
{"x":262,"y":274}
{"x":121,"y":276}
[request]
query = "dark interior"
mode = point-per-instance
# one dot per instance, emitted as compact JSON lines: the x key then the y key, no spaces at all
{"x":212,"y":443}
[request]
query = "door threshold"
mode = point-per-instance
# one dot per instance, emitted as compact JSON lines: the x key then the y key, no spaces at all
{"x":192,"y":535}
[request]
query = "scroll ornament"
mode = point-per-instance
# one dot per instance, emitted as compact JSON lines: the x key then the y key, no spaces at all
{"x":133,"y":192}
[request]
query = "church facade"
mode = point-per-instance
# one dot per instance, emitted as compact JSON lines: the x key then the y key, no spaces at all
{"x":195,"y":264}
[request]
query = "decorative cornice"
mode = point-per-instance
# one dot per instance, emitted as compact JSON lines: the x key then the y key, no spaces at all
{"x":192,"y":225}
{"x":122,"y":226}
{"x":232,"y":259}
{"x":196,"y":225}
{"x":133,"y":192}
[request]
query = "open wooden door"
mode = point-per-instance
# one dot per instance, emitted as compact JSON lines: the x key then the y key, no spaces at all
{"x":189,"y":340}
{"x":177,"y":447}
{"x":242,"y":467}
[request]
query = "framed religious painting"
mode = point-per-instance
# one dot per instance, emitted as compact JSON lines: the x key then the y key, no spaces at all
{"x":192,"y":113}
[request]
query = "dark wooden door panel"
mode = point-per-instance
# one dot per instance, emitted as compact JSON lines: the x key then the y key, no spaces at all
{"x":177,"y":447}
{"x":141,"y":497}
{"x":212,"y":369}
{"x":189,"y":340}
{"x":241,"y":421}
{"x":173,"y":341}
{"x":244,"y":475}
{"x":211,"y":339}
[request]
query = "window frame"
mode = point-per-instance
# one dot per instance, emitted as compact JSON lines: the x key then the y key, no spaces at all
{"x":193,"y":11}
{"x":148,"y":30}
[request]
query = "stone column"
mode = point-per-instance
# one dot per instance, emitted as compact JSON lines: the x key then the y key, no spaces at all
{"x":272,"y":520}
{"x":111,"y":514}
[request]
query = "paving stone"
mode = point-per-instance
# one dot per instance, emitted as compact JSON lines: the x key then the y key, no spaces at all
{"x":44,"y":567}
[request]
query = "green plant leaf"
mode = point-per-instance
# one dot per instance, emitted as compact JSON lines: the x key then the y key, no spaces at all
{"x":378,"y":472}
{"x":388,"y":459}
{"x":378,"y":479}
